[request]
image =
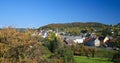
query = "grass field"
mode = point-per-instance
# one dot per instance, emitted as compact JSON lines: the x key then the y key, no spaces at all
{"x":84,"y":59}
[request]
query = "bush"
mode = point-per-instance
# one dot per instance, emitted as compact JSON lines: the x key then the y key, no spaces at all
{"x":66,"y":53}
{"x":104,"y":53}
{"x":82,"y":50}
{"x":116,"y":58}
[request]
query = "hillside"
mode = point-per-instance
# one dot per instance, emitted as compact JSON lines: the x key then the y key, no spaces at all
{"x":74,"y":25}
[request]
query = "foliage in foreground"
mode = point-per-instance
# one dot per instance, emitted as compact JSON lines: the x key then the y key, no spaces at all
{"x":21,"y":47}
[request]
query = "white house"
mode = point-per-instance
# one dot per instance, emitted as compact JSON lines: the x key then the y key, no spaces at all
{"x":97,"y":42}
{"x":106,"y":39}
{"x":45,"y":35}
{"x":79,"y":40}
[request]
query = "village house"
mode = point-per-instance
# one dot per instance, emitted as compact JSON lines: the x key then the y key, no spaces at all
{"x":75,"y":39}
{"x":42,"y":33}
{"x":97,"y":42}
{"x":107,"y":41}
{"x":69,"y":41}
{"x":78,"y":40}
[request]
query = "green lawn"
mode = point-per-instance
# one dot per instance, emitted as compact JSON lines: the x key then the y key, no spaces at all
{"x":84,"y":59}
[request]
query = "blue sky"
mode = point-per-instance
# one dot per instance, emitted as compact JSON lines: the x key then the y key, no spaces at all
{"x":36,"y":13}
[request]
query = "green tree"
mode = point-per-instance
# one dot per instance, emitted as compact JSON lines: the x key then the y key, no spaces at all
{"x":66,"y":53}
{"x":53,"y":42}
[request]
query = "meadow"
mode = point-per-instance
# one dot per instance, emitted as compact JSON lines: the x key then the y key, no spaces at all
{"x":84,"y":59}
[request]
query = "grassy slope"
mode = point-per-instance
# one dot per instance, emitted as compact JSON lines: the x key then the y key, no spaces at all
{"x":83,"y":59}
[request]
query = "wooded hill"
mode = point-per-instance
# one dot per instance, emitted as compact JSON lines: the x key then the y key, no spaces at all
{"x":80,"y":25}
{"x":75,"y":28}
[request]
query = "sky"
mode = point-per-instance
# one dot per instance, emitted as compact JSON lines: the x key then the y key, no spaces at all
{"x":37,"y":13}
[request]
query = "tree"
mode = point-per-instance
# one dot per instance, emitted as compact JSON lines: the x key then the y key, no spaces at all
{"x":53,"y":42}
{"x":66,"y":53}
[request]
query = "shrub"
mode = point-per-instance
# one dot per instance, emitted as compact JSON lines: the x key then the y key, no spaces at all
{"x":116,"y":58}
{"x":104,"y":53}
{"x":66,"y":53}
